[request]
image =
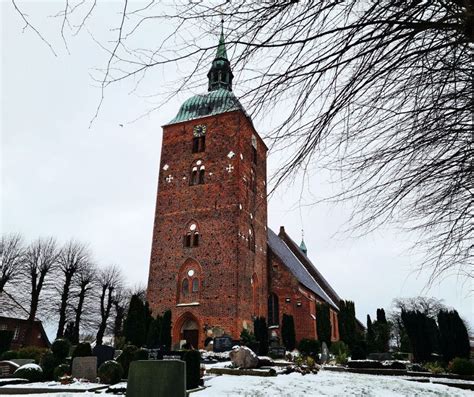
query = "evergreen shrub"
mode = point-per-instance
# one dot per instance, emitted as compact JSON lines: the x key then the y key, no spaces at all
{"x":32,"y":352}
{"x":82,"y":350}
{"x":48,"y":363}
{"x":461,"y":366}
{"x":309,"y":347}
{"x":60,"y":348}
{"x":127,"y":356}
{"x":31,"y":372}
{"x":60,"y":371}
{"x":193,"y":368}
{"x":9,"y":355}
{"x":110,"y":372}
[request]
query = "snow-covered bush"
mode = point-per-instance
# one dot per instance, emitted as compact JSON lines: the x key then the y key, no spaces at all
{"x":110,"y":372}
{"x":31,"y":372}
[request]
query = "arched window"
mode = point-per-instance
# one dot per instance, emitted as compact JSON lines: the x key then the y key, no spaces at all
{"x":199,"y":138}
{"x":195,"y":284}
{"x":189,"y":282}
{"x":273,"y":310}
{"x":191,"y":237}
{"x":185,"y":287}
{"x":252,"y":238}
{"x":197,"y":173}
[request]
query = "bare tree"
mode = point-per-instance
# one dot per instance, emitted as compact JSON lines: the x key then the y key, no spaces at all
{"x":110,"y":281}
{"x":12,"y":253}
{"x":72,"y":256}
{"x":120,"y":301}
{"x":378,"y":92}
{"x":84,"y":302}
{"x":40,"y":264}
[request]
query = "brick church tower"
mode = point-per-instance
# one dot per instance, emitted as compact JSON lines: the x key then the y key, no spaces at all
{"x":209,"y":250}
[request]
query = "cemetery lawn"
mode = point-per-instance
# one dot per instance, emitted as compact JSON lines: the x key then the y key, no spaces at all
{"x":326,"y":383}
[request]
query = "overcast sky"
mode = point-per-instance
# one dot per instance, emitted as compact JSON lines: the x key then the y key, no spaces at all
{"x":98,"y":185}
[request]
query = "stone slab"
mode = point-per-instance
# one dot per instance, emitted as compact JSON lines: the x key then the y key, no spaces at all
{"x":153,"y":378}
{"x":242,"y":372}
{"x":85,"y":368}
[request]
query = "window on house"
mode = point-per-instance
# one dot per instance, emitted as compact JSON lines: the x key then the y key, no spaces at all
{"x":196,"y":239}
{"x":16,"y":334}
{"x":254,"y":155}
{"x":195,"y":285}
{"x":185,"y":287}
{"x":273,"y":310}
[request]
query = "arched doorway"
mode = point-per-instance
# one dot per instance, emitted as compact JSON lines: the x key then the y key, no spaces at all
{"x":187,"y":328}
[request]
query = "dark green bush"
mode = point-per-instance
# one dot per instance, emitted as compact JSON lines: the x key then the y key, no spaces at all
{"x":60,"y":348}
{"x":82,"y":350}
{"x":309,"y":347}
{"x":31,"y":372}
{"x":9,"y":355}
{"x":48,"y":362}
{"x":247,"y":338}
{"x":359,"y":350}
{"x":288,"y":333}
{"x":6,"y":338}
{"x":461,"y":366}
{"x":338,"y":348}
{"x":127,"y":356}
{"x":32,"y":352}
{"x":60,"y":371}
{"x":110,"y":372}
{"x":193,"y":368}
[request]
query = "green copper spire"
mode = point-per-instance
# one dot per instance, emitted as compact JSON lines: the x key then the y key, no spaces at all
{"x":303,"y":247}
{"x":220,"y":75}
{"x":221,"y":51}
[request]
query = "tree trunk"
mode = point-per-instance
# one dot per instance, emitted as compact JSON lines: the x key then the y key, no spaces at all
{"x":62,"y":309}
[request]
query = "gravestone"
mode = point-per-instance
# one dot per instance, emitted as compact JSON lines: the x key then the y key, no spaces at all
{"x":222,"y":344}
{"x":324,"y":353}
{"x":103,"y":353}
{"x":154,"y":378}
{"x":277,"y":351}
{"x":85,"y":368}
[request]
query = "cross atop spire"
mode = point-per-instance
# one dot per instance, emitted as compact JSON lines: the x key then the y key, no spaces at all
{"x":220,"y":75}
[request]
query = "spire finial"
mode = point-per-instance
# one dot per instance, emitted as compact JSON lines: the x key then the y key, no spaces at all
{"x":303,"y":245}
{"x":220,"y":75}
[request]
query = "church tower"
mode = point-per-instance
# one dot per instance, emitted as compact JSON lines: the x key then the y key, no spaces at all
{"x":209,"y":250}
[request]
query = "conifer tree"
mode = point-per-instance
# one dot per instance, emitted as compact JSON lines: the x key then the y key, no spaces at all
{"x":154,"y":332}
{"x":166,"y":330}
{"x":288,"y":334}
{"x":371,"y":348}
{"x":422,"y":332}
{"x":323,"y":323}
{"x":453,"y":335}
{"x":134,"y":328}
{"x":347,"y":322}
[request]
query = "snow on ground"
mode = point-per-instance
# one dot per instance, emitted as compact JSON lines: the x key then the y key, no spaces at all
{"x":326,"y":383}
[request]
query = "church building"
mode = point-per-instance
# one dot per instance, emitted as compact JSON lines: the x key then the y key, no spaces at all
{"x":214,"y":261}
